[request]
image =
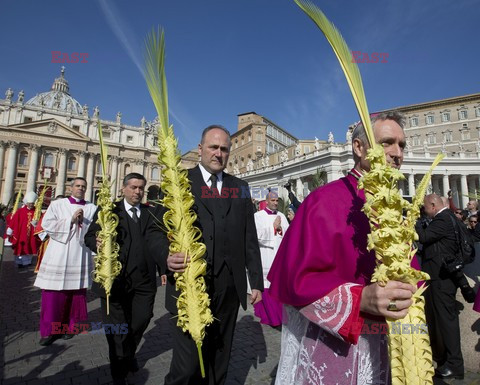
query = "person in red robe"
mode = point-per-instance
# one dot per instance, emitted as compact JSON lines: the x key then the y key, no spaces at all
{"x":21,"y":232}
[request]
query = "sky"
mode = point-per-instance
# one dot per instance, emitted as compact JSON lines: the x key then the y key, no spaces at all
{"x":228,"y":57}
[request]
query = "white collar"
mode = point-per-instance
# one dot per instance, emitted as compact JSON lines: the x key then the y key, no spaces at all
{"x":128,"y":206}
{"x":207,"y":174}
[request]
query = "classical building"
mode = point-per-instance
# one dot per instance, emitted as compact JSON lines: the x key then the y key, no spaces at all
{"x":52,"y":138}
{"x":451,"y":126}
{"x":258,"y":141}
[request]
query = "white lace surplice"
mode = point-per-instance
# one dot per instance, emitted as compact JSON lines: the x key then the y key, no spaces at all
{"x":314,"y":353}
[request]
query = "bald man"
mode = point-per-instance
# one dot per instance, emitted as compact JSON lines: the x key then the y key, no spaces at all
{"x":439,"y":244}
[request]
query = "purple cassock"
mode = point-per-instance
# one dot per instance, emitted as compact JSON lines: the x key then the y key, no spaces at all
{"x":325,"y":246}
{"x":318,"y":274}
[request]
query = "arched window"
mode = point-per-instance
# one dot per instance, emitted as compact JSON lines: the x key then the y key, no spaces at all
{"x":72,"y":163}
{"x":48,"y":160}
{"x":155,"y":173}
{"x":23,"y":159}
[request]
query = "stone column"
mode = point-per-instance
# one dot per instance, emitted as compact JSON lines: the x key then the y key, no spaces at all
{"x":10,"y":174}
{"x":114,"y":176}
{"x":446,"y":184}
{"x":33,"y":168}
{"x":2,"y":157}
{"x":90,"y":175}
{"x":464,"y":186}
{"x":299,"y":188}
{"x":401,"y":187}
{"x":471,"y":186}
{"x":436,"y":186}
{"x":61,"y":172}
{"x":81,"y":163}
{"x":411,"y":184}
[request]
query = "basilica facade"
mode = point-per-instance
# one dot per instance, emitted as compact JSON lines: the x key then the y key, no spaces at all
{"x":51,"y":138}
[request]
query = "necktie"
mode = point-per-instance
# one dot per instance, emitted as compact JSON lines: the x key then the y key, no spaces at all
{"x":134,"y":214}
{"x":214,"y":178}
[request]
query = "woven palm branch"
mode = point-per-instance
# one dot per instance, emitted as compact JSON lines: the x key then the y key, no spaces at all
{"x":194,"y":314}
{"x":107,"y":265}
{"x":17,"y":200}
{"x":391,"y":235}
{"x":39,"y":202}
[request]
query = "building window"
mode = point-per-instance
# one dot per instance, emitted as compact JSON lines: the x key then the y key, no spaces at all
{"x":462,"y":115}
{"x":465,"y":132}
{"x":416,"y":140}
{"x":432,"y":139}
{"x":72,"y":164}
{"x":477,"y":112}
{"x":27,"y":119}
{"x":447,"y":136}
{"x":236,"y":143}
{"x":155,"y":141}
{"x":23,"y":159}
{"x":48,"y":160}
{"x":155,"y":173}
{"x":126,"y":169}
{"x":75,"y":127}
{"x":106,"y":134}
{"x":414,"y":122}
{"x":129,"y":139}
{"x":446,"y":117}
{"x":243,"y":140}
{"x":99,"y":168}
{"x":430,"y":119}
{"x":249,"y":136}
{"x":306,"y":149}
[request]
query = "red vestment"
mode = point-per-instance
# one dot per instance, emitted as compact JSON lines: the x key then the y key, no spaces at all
{"x":23,"y":240}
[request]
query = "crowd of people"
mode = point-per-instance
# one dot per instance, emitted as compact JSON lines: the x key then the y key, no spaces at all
{"x":307,"y":272}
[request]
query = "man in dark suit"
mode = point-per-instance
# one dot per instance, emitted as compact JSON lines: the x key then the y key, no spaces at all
{"x":133,"y":292}
{"x":225,"y":217}
{"x":439,"y":244}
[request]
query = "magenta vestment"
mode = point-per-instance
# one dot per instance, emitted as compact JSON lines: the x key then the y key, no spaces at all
{"x":318,"y":273}
{"x":325,"y":246}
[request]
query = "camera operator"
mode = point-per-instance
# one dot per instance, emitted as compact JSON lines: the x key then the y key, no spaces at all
{"x":295,"y":202}
{"x":446,"y":275}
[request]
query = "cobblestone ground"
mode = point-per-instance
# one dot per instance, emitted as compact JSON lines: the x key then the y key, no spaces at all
{"x":84,"y":358}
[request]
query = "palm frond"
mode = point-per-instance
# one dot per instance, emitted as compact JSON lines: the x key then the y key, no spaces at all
{"x":344,"y":56}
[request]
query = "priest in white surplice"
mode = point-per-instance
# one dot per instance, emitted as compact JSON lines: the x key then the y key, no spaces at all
{"x":271,"y":227}
{"x":66,"y":268}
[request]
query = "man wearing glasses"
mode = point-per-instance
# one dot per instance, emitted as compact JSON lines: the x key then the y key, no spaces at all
{"x":472,"y":222}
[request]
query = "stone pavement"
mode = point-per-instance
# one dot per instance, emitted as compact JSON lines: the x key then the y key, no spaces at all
{"x":84,"y":358}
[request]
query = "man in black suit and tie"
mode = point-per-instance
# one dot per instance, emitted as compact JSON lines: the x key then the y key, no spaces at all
{"x":225,"y":217}
{"x":133,"y":292}
{"x":439,"y":244}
